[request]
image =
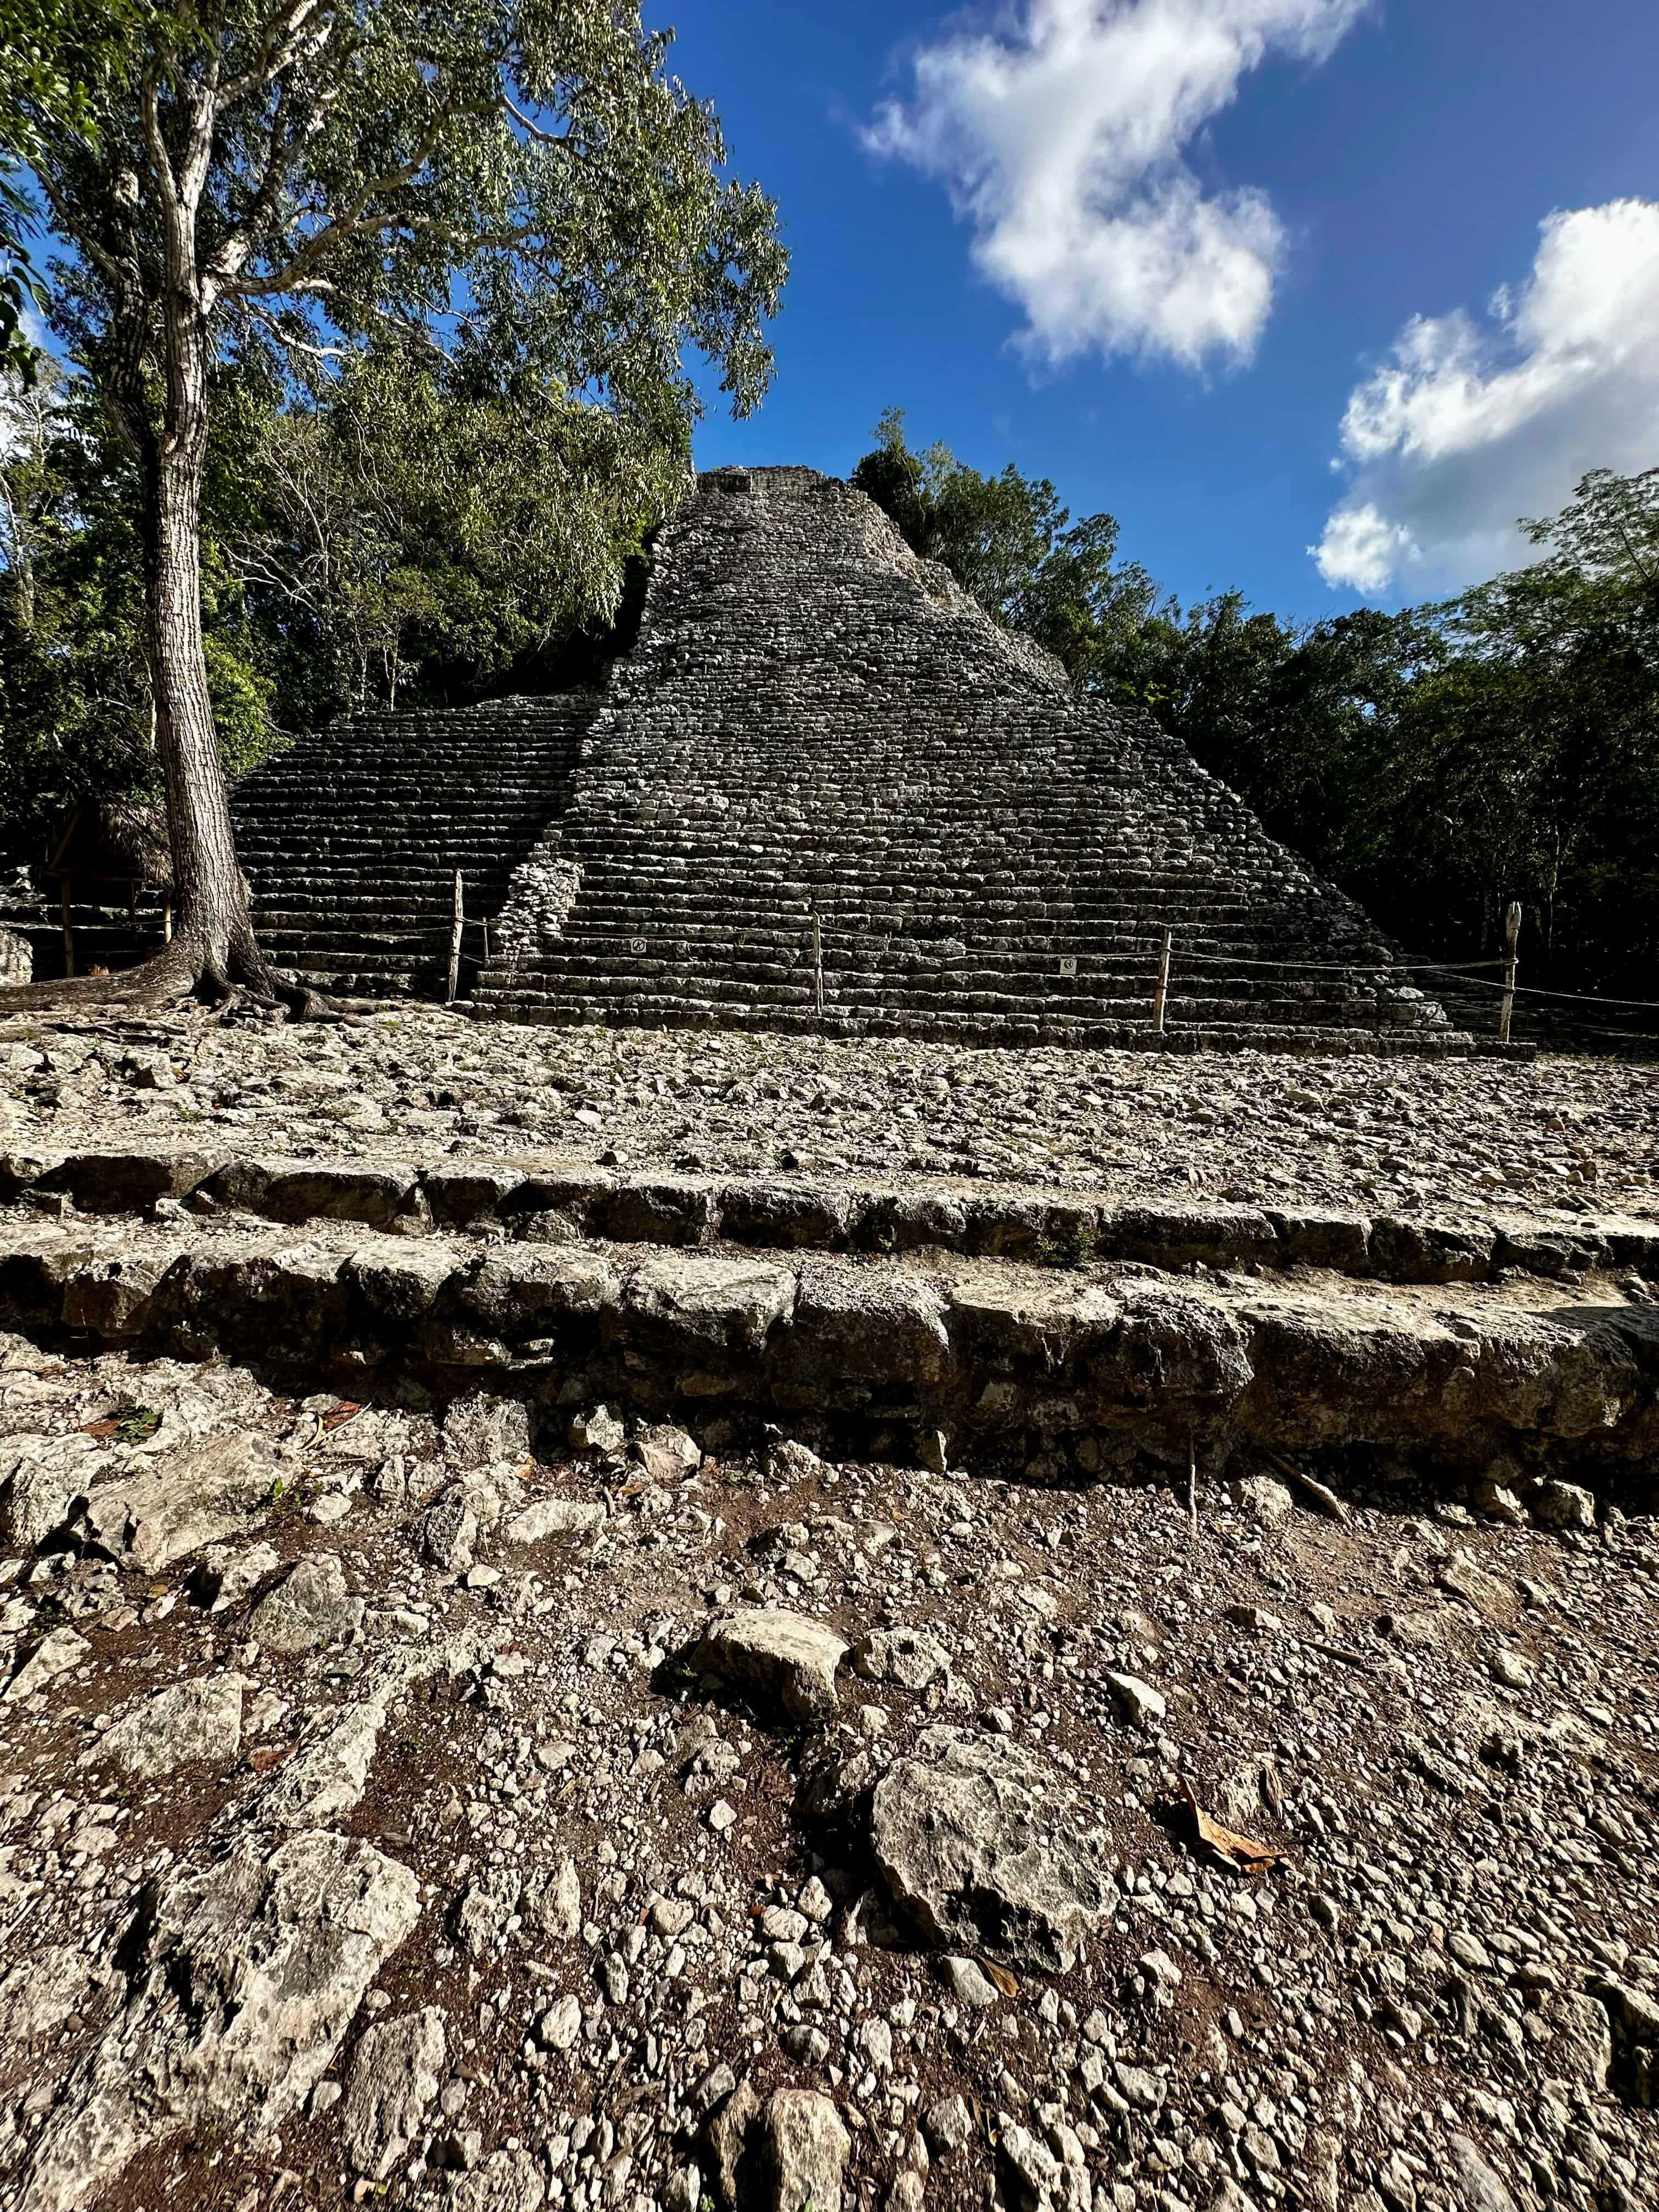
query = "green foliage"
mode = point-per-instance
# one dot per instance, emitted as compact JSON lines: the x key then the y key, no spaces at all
{"x":76,"y":703}
{"x":57,"y":58}
{"x":20,"y":287}
{"x":1438,"y":762}
{"x":518,"y":181}
{"x":408,"y":533}
{"x":1005,"y":539}
{"x":135,"y":1424}
{"x":1533,"y":747}
{"x":73,"y":673}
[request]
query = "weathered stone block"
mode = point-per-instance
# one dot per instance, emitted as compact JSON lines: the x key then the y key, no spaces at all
{"x":129,"y":1182}
{"x":871,"y":1326}
{"x":688,"y":1307}
{"x":653,"y":1213}
{"x":784,"y":1217}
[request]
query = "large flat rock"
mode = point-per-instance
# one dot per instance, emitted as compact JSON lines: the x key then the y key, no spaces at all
{"x":990,"y":1849}
{"x":275,"y":1949}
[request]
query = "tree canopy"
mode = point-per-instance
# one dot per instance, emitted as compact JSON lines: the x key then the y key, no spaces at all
{"x":402,"y":240}
{"x":56,"y":59}
{"x":1438,"y":762}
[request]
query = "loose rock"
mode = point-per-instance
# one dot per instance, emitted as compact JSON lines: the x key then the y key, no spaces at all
{"x":310,"y":1606}
{"x":396,"y":2071}
{"x":805,"y":2151}
{"x":782,"y":1659}
{"x":984,"y":1842}
{"x":195,"y":1721}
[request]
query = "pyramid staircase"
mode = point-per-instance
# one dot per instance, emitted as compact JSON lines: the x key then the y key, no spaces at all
{"x":352,"y":839}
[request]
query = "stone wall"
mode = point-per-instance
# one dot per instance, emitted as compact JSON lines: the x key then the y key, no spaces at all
{"x":16,"y":959}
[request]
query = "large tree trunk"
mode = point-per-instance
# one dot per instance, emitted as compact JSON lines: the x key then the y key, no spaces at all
{"x":213,"y":932}
{"x":213,"y":948}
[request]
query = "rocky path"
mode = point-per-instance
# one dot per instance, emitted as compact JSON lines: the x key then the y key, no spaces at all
{"x":1560,"y":1132}
{"x":491,"y":1808}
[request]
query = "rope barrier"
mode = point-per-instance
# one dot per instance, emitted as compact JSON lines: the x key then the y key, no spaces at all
{"x":1576,"y":998}
{"x":1465,"y":971}
{"x":1430,"y":968}
{"x":1336,"y":967}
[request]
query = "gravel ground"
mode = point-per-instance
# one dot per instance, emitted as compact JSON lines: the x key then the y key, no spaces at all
{"x":1561,"y":1132}
{"x":634,"y":1897}
{"x":495,"y":1807}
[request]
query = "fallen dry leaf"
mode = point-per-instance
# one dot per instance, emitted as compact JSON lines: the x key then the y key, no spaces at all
{"x":1234,"y":1850}
{"x":338,"y":1415}
{"x":1000,"y":1978}
{"x":132,"y":1424}
{"x":269,"y":1755}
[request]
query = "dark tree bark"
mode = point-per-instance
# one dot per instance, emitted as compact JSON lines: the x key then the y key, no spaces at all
{"x":213,"y":936}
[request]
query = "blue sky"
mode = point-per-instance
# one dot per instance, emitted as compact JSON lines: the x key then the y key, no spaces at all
{"x":1183,"y":255}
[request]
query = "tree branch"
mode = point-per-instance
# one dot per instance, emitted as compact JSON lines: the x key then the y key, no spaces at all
{"x":101,"y":258}
{"x":289,"y":340}
{"x":351,"y":223}
{"x":302,"y":22}
{"x":533,"y":128}
{"x":155,"y":145}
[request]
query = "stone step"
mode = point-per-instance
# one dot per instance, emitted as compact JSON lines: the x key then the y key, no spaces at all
{"x":1044,"y":1227}
{"x":351,"y":840}
{"x":1091,"y":1366}
{"x":1031,"y":1027}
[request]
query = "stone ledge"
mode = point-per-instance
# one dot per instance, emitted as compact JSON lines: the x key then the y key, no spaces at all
{"x":984,"y":1363}
{"x":578,"y":1202}
{"x":499,"y":999}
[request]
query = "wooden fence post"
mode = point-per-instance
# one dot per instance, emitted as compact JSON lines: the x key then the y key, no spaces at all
{"x":817,"y":961}
{"x":69,"y":934}
{"x":1512,"y":937}
{"x":457,"y":924}
{"x":1160,"y":997}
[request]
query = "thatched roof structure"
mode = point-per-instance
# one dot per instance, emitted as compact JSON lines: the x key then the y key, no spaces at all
{"x":113,"y":841}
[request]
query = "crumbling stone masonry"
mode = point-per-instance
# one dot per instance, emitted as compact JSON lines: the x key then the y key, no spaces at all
{"x":823,"y":788}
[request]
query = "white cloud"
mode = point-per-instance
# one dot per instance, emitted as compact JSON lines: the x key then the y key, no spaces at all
{"x":1363,"y":547}
{"x":1470,"y":425}
{"x":1060,"y":135}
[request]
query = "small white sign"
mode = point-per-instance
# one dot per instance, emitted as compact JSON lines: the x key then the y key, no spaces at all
{"x":1068,"y":967}
{"x":636,"y":944}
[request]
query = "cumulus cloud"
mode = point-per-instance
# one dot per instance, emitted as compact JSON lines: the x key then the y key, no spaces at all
{"x":1471,"y":423}
{"x":1059,"y":135}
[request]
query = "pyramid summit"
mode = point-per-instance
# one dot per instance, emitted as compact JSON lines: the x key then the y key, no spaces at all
{"x":822,"y":789}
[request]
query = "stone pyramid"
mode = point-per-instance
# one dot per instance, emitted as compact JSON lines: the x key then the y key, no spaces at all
{"x":823,"y":790}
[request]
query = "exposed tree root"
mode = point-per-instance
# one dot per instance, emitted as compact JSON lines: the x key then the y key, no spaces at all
{"x":167,"y":979}
{"x":182,"y":971}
